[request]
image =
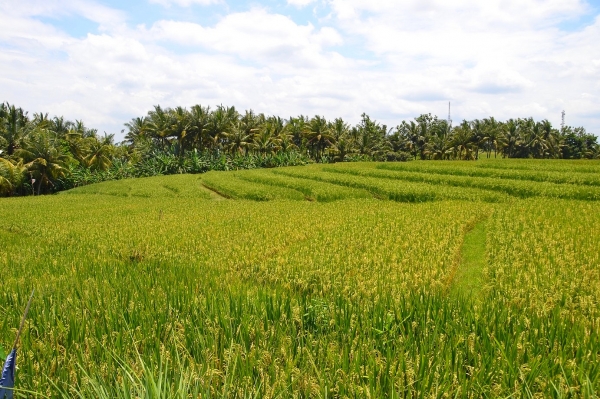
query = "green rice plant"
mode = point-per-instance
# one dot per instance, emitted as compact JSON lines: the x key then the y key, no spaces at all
{"x":373,"y":251}
{"x":151,"y":381}
{"x":549,"y":248}
{"x":230,"y":186}
{"x":518,"y":188}
{"x":312,"y":190}
{"x":540,"y":165}
{"x":150,"y":187}
{"x":168,"y":296}
{"x":392,"y":190}
{"x":472,"y":169}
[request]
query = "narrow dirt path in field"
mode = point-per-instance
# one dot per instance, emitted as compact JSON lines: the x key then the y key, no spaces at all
{"x":214,"y":194}
{"x":470,"y":262}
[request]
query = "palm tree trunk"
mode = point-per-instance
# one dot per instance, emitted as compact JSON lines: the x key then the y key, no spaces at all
{"x":40,"y":184}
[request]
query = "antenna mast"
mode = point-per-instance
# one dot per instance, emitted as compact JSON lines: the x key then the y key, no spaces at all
{"x":562,"y":123}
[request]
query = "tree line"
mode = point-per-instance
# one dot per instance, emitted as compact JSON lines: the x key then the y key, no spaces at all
{"x":39,"y":154}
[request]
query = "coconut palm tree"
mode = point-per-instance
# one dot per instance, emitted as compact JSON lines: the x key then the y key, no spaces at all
{"x":462,"y":137}
{"x":478,"y":137}
{"x":275,"y":125}
{"x":199,"y":124}
{"x":371,"y":138}
{"x":78,"y":146}
{"x":221,"y":121}
{"x":342,"y":144}
{"x":159,"y":125}
{"x":298,"y":127}
{"x":339,"y":128}
{"x":536,"y":142}
{"x":552,"y":139}
{"x":318,"y":135}
{"x":510,"y":139}
{"x":137,"y":131}
{"x":45,"y":161}
{"x":493,"y":132}
{"x":439,"y":147}
{"x":238,"y":140}
{"x":100,"y":153}
{"x":180,"y":125}
{"x":41,"y":120}
{"x":264,"y":143}
{"x":12,"y":176}
{"x":60,"y":126}
{"x":13,"y":128}
{"x":286,"y":142}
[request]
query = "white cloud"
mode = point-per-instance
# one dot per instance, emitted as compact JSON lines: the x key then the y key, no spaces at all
{"x":255,"y":35}
{"x":300,"y":3}
{"x":494,"y":53}
{"x":106,"y":17}
{"x":391,"y":59}
{"x":496,"y":77}
{"x":185,"y":3}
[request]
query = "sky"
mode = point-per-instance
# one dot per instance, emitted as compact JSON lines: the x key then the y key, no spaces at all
{"x":107,"y":61}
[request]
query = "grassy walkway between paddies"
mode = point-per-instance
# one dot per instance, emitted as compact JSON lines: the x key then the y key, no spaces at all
{"x":467,"y":280}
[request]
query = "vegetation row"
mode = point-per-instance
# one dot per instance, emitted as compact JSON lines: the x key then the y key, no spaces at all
{"x":39,"y":154}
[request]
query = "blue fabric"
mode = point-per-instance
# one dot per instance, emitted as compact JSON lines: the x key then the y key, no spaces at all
{"x":8,"y":376}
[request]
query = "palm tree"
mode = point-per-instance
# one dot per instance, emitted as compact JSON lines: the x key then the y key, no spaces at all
{"x":13,"y":128}
{"x":462,"y":138}
{"x":371,"y":138}
{"x":238,"y":140}
{"x":510,"y":138}
{"x":343,"y":147}
{"x":416,"y":134}
{"x":493,"y":132}
{"x":159,"y":125}
{"x":137,"y":131}
{"x":60,"y":126}
{"x":41,"y":120}
{"x":318,"y":135}
{"x":439,"y":143}
{"x":221,"y":121}
{"x":478,"y":136}
{"x":180,"y":125}
{"x":45,"y":161}
{"x":404,"y":137}
{"x":100,"y":151}
{"x":286,"y":142}
{"x":536,"y":142}
{"x":199,"y":124}
{"x":264,"y":143}
{"x":342,"y":144}
{"x":298,"y":128}
{"x":275,"y":125}
{"x":552,"y":138}
{"x":339,"y":128}
{"x":12,"y":176}
{"x":78,"y":146}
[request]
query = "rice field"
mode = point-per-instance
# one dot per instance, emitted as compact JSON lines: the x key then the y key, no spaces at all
{"x":392,"y":280}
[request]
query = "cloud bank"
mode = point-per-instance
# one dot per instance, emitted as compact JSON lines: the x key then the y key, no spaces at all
{"x":391,"y":59}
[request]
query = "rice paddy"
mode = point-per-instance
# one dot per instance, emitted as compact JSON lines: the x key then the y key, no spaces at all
{"x":396,"y":280}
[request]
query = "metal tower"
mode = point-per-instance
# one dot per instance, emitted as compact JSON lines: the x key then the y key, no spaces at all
{"x":449,"y":117}
{"x":562,"y":123}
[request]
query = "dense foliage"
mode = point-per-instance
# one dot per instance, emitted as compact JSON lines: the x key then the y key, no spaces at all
{"x":383,"y":280}
{"x":40,"y":154}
